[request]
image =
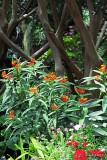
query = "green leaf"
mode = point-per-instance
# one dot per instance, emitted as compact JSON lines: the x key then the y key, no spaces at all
{"x":92,"y":103}
{"x":22,"y":149}
{"x":10,"y":158}
{"x":72,"y":109}
{"x":85,"y":111}
{"x":101,"y":86}
{"x":54,"y":122}
{"x":45,"y":117}
{"x":38,"y":147}
{"x":96,"y":113}
{"x":104,"y":104}
{"x":81,"y":121}
{"x":44,"y":103}
{"x":100,"y":118}
{"x":21,"y":156}
{"x":89,"y":86}
{"x":100,"y":131}
{"x":86,"y":79}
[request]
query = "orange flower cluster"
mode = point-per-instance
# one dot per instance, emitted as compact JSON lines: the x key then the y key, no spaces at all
{"x":15,"y":64}
{"x":97,"y":77}
{"x":12,"y":116}
{"x":103,"y":68}
{"x":32,"y":62}
{"x":34,"y":89}
{"x":5,"y":75}
{"x":64,"y":98}
{"x":50,"y":76}
{"x":63,"y":80}
{"x":82,"y":100}
{"x":80,"y":90}
{"x":54,"y":106}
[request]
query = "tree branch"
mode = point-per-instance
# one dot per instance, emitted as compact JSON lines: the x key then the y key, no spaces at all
{"x":12,"y":45}
{"x":26,"y":15}
{"x":89,"y":45}
{"x":5,"y":5}
{"x":14,"y":9}
{"x":99,"y":40}
{"x":44,"y":19}
{"x":54,"y":12}
{"x":59,"y":32}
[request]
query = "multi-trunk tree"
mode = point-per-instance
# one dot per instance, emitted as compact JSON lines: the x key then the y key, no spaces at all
{"x":13,"y":13}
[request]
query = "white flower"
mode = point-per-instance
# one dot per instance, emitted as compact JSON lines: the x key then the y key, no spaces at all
{"x":104,"y":124}
{"x":77,"y":127}
{"x":92,"y":119}
{"x":96,"y":126}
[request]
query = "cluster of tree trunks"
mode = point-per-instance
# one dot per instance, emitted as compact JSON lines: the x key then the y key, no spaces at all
{"x":72,"y":8}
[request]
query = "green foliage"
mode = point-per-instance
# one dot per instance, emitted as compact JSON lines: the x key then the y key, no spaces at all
{"x":31,"y":98}
{"x":57,"y":148}
{"x":34,"y":101}
{"x":73,"y":48}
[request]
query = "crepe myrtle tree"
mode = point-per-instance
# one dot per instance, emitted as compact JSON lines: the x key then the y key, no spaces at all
{"x":92,"y":35}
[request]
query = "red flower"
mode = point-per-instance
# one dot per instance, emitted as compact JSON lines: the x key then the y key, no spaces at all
{"x":14,"y":62}
{"x":12,"y":116}
{"x":32,"y":62}
{"x":64,"y":98}
{"x":85,"y":144}
{"x":63,"y":80}
{"x":73,"y":143}
{"x":80,"y":155}
{"x":80,"y":90}
{"x":82,"y":100}
{"x":96,"y":153}
{"x":54,"y":106}
{"x":17,"y":66}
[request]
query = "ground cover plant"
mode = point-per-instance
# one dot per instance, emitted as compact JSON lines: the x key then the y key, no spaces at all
{"x":38,"y":107}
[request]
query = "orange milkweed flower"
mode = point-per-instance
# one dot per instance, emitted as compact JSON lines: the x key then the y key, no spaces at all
{"x":4,"y":74}
{"x":9,"y":76}
{"x":34,"y":89}
{"x":97,"y":77}
{"x":54,"y":106}
{"x":53,"y":77}
{"x":63,"y":80}
{"x":64,"y":98}
{"x":103,"y":68}
{"x":46,"y":79}
{"x":12,"y":116}
{"x":14,"y":62}
{"x":11,"y":112}
{"x":17,"y":66}
{"x":80,"y":90}
{"x":32,"y":62}
{"x":82,"y":100}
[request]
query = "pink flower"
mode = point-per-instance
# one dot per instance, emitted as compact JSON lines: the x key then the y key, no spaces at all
{"x":85,"y":144}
